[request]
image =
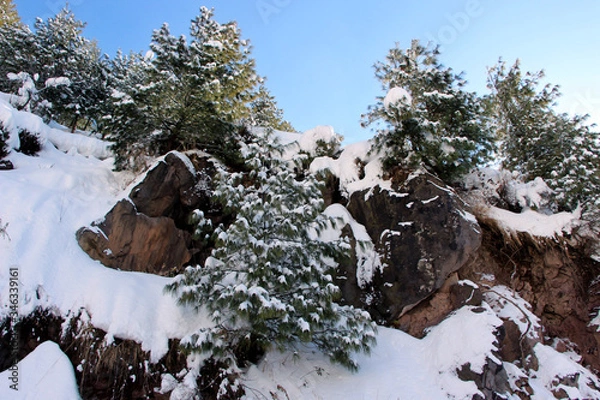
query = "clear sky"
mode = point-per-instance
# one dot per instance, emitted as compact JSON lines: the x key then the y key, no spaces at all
{"x":318,"y":55}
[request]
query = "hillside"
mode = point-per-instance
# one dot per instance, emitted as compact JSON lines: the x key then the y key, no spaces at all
{"x":482,"y":323}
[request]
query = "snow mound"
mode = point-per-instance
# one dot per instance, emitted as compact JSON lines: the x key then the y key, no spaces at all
{"x":534,"y":223}
{"x":45,"y":372}
{"x":397,"y":95}
{"x":14,"y":120}
{"x":399,"y":364}
{"x":357,"y":168}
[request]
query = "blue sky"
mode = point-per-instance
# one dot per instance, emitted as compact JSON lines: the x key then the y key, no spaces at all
{"x":318,"y":55}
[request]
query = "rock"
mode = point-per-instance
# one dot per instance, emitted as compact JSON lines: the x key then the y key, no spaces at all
{"x":131,"y":241}
{"x":150,"y":231}
{"x":492,"y":382}
{"x":104,"y":369}
{"x":451,"y":296}
{"x":559,"y":281}
{"x":6,"y":165}
{"x":423,"y":234}
{"x":174,"y":188}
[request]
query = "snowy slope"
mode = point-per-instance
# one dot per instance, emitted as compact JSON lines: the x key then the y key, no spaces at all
{"x":46,"y":199}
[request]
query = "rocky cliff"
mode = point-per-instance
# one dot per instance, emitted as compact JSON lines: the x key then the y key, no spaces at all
{"x":436,"y":252}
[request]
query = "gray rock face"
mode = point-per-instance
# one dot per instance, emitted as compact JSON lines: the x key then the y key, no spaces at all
{"x":423,"y":234}
{"x":150,"y":231}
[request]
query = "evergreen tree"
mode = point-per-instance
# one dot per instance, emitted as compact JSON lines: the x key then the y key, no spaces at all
{"x":228,"y":73}
{"x":269,"y":279}
{"x":8,"y":13}
{"x":264,"y":111}
{"x":71,"y":69}
{"x":190,"y":95}
{"x":17,"y":54}
{"x":125,"y":123}
{"x":426,"y":117}
{"x":57,"y":72}
{"x":538,"y":141}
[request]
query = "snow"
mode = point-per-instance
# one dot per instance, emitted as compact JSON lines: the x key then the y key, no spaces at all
{"x":534,"y":223}
{"x":528,"y":195}
{"x":368,"y":261}
{"x":45,"y":372}
{"x":64,"y":141}
{"x":397,"y":95}
{"x":44,"y":201}
{"x":400,"y":365}
{"x":310,"y":139}
{"x":53,"y":82}
{"x":348,"y":169}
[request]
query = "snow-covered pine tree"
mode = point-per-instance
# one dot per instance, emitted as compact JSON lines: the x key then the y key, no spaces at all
{"x":426,"y":117}
{"x":8,"y":13}
{"x":265,"y":113}
{"x":71,"y":69}
{"x":192,"y":94}
{"x":538,"y":141}
{"x":124,"y":122}
{"x":17,"y":54}
{"x":269,"y":280}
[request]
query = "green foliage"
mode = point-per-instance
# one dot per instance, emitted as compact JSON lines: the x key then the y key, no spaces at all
{"x":265,"y":113}
{"x":17,"y":54}
{"x":269,"y":279}
{"x":57,"y":72}
{"x":29,"y":143}
{"x":538,"y":141}
{"x":8,"y":13}
{"x":437,"y":124}
{"x":185,"y":94}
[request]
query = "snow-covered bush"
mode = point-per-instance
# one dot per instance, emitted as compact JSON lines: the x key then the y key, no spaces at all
{"x":269,"y":280}
{"x":4,"y":135}
{"x":30,"y":144}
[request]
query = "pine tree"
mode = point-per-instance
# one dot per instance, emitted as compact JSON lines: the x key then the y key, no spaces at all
{"x":229,"y":77}
{"x":265,"y":113}
{"x":538,"y":141}
{"x":8,"y":13}
{"x":269,"y":280}
{"x":17,"y":54}
{"x":190,"y":95}
{"x":125,"y":123}
{"x":71,"y":69}
{"x":426,"y":118}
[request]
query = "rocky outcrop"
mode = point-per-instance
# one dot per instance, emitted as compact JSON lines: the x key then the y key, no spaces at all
{"x":423,"y":234}
{"x":150,"y":231}
{"x":176,"y":186}
{"x":131,"y":241}
{"x":558,"y":281}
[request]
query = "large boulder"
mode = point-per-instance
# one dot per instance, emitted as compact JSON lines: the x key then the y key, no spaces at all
{"x":423,"y":234}
{"x":150,"y":231}
{"x":175,"y":186}
{"x":131,"y":241}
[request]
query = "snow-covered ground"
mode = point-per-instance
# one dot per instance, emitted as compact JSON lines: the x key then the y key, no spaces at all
{"x":46,"y":199}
